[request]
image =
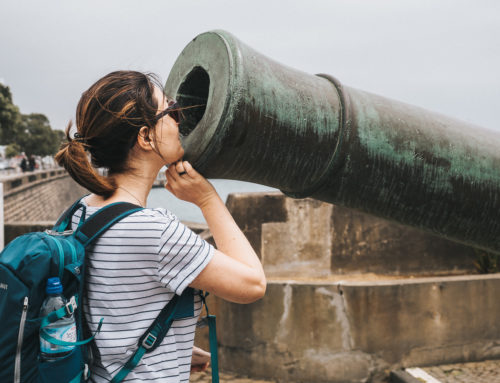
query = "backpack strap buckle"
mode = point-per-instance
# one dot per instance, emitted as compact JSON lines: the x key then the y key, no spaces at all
{"x":71,"y":306}
{"x":149,"y":341}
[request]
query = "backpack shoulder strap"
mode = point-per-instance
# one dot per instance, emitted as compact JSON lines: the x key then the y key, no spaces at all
{"x":154,"y":335}
{"x":178,"y":307}
{"x":64,"y":220}
{"x":103,"y":219}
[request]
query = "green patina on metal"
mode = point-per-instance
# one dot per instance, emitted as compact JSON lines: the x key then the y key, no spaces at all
{"x":309,"y":136}
{"x":442,"y":153}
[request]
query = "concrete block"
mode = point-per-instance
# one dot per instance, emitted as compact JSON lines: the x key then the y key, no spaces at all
{"x":358,"y":331}
{"x":362,"y":243}
{"x":314,"y":239}
{"x":301,"y":245}
{"x":251,"y":210}
{"x":298,"y":332}
{"x":425,"y":320}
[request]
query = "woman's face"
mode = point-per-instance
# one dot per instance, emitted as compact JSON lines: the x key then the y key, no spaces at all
{"x":167,"y":133}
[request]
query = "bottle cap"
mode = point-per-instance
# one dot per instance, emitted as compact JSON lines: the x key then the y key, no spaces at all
{"x":54,"y":286}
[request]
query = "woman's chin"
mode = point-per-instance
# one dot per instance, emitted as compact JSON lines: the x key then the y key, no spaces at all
{"x":180,"y":156}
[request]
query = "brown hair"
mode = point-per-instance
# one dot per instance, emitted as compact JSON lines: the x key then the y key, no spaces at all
{"x":108,"y":119}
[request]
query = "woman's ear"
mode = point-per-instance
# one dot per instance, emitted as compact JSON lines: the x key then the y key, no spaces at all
{"x":144,"y":139}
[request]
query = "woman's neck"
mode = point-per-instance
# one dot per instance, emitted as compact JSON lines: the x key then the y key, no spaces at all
{"x":137,"y":188}
{"x":132,"y":186}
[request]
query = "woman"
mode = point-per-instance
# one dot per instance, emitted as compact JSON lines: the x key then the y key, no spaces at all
{"x":125,"y":124}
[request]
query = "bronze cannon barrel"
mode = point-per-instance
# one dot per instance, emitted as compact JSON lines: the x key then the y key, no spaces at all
{"x":250,"y":118}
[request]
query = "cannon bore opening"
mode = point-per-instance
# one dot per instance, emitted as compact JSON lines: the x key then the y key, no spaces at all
{"x":193,"y":95}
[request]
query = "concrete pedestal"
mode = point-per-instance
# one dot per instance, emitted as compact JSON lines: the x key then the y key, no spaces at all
{"x":351,"y":297}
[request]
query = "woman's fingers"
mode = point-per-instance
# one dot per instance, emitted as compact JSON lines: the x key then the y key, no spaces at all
{"x":189,"y":169}
{"x":182,"y":168}
{"x":172,"y":170}
{"x":179,"y":167}
{"x":175,"y":175}
{"x":187,"y":184}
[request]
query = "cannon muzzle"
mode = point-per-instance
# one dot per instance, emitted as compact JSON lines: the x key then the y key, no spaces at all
{"x":250,"y":118}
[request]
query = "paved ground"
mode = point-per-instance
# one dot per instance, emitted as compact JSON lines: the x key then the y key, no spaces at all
{"x":206,"y":377}
{"x":480,"y":372}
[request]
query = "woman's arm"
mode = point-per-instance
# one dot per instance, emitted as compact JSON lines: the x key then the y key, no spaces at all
{"x":235,"y":272}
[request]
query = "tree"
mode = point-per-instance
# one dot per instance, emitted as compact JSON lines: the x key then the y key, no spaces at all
{"x":30,"y":133}
{"x":60,"y":137}
{"x":37,"y":137}
{"x":12,"y":150}
{"x":10,"y":117}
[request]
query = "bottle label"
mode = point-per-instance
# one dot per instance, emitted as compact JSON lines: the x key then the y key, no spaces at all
{"x":64,"y":333}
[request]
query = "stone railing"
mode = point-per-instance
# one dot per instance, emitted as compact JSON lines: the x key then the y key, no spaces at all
{"x":17,"y":183}
{"x":39,"y":195}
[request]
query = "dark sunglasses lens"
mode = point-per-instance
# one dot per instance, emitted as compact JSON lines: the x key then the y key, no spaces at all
{"x":172,"y":111}
{"x":175,"y":114}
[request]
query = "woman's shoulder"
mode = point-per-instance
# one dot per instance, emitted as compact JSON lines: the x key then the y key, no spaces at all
{"x":159,"y":212}
{"x":158,"y":218}
{"x":148,"y":215}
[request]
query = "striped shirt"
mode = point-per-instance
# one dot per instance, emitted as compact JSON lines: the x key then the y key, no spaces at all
{"x":133,"y":270}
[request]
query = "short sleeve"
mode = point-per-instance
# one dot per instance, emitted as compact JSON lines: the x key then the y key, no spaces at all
{"x":182,"y":256}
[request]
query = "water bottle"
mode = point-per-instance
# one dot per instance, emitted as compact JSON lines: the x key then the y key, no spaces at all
{"x":63,"y":329}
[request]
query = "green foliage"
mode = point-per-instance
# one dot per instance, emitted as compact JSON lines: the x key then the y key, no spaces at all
{"x":10,"y":117}
{"x":487,"y":262}
{"x":60,"y":137}
{"x":11,"y":150}
{"x":30,"y":133}
{"x":37,"y":136}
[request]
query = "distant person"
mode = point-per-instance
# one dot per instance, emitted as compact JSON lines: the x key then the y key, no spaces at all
{"x":24,"y":164}
{"x":127,"y":125}
{"x":31,"y":163}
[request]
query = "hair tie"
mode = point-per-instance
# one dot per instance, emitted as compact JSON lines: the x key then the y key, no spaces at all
{"x":79,"y":138}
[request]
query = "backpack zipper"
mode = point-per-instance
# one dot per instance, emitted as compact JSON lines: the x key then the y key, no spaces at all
{"x":60,"y":251}
{"x":62,"y":261}
{"x":73,"y":252}
{"x":17,"y":365}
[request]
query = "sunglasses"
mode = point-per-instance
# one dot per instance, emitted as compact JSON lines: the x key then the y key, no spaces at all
{"x":173,"y":110}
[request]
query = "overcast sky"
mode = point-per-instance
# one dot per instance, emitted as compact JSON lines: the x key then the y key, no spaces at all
{"x":441,"y":55}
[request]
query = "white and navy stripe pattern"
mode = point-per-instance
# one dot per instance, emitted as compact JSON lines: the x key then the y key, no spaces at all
{"x":133,"y":271}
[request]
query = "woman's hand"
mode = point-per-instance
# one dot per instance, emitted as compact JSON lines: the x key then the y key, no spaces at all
{"x":200,"y":359}
{"x":234,"y":273}
{"x":188,"y":185}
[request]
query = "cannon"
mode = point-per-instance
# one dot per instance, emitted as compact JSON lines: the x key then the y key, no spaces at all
{"x":248,"y":117}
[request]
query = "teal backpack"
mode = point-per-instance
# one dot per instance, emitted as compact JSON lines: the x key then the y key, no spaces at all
{"x":25,"y":265}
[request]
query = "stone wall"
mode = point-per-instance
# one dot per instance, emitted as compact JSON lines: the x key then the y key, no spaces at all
{"x":39,"y":196}
{"x":358,"y":331}
{"x":351,"y":297}
{"x":309,"y":238}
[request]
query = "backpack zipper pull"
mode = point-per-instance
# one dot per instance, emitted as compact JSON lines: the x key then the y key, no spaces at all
{"x":17,"y":363}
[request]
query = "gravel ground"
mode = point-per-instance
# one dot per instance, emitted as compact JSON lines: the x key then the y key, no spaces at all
{"x":479,"y":372}
{"x":206,"y":377}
